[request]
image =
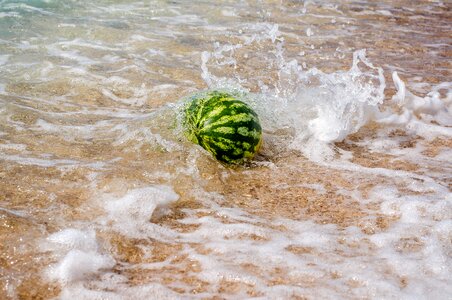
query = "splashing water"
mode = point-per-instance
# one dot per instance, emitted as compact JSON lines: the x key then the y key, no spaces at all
{"x":101,"y":196}
{"x":322,"y":108}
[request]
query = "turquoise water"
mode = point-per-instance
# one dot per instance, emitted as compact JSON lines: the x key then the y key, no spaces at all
{"x":102,"y":197}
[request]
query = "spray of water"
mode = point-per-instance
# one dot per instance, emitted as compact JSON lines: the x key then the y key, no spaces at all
{"x":309,"y":110}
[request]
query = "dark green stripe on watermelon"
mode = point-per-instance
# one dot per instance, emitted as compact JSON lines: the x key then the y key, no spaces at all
{"x":223,"y":125}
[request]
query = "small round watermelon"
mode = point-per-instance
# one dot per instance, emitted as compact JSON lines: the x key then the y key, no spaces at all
{"x":223,"y":125}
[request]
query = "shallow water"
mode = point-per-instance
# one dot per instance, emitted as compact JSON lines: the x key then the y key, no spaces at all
{"x":102,"y":197}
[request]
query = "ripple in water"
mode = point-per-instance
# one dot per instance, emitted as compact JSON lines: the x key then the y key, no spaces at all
{"x":102,"y":197}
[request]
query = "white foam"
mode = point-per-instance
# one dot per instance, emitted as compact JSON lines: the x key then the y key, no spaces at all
{"x":141,"y":38}
{"x":321,"y":108}
{"x":82,"y":257}
{"x":4,"y":59}
{"x":81,"y":43}
{"x":336,"y":111}
{"x":72,"y":55}
{"x":418,"y":113}
{"x":9,"y":14}
{"x":72,"y":238}
{"x":78,"y":265}
{"x":318,"y":109}
{"x":131,"y":214}
{"x":66,"y":25}
{"x":140,"y":136}
{"x":17,"y":147}
{"x":69,"y":132}
{"x":305,"y":110}
{"x":193,"y":20}
{"x":24,"y":160}
{"x":17,"y":213}
{"x":228,"y":13}
{"x":384,"y":12}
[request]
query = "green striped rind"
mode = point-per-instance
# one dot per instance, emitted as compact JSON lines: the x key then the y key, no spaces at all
{"x":223,"y":125}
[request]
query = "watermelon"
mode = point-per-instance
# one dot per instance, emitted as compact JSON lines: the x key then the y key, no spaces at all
{"x":223,"y":125}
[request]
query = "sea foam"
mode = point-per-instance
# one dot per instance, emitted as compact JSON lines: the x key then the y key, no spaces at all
{"x":82,"y":257}
{"x":317,"y":109}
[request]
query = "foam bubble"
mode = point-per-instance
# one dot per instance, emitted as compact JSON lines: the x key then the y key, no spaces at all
{"x":82,"y":257}
{"x":131,"y":213}
{"x":78,"y":265}
{"x":72,"y":238}
{"x":419,"y":113}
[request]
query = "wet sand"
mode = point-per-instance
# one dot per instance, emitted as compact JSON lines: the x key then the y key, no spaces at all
{"x":65,"y":154}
